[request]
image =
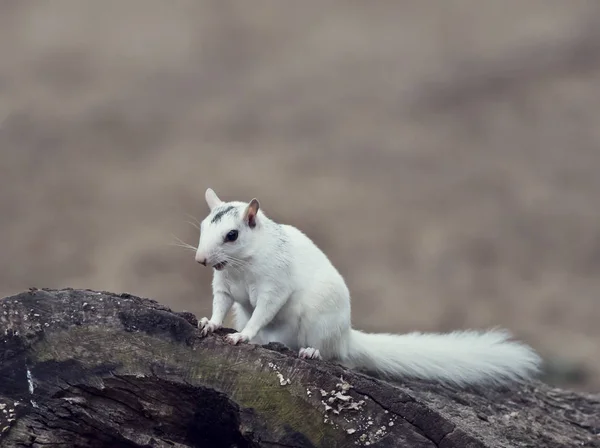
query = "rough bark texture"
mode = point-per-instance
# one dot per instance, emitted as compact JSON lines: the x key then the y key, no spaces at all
{"x":83,"y":368}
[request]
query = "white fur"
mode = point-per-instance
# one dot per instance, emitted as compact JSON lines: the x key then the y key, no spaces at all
{"x":283,"y":288}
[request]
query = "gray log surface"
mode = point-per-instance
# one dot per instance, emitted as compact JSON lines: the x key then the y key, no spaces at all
{"x":81,"y":368}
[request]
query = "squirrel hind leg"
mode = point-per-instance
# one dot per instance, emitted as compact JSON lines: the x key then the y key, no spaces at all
{"x":309,"y":353}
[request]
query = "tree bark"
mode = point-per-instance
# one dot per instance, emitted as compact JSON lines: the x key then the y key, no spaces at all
{"x":81,"y":368}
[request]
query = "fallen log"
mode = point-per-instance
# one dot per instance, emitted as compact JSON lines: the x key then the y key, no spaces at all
{"x":81,"y":368}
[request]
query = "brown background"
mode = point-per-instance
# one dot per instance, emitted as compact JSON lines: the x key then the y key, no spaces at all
{"x":445,"y":155}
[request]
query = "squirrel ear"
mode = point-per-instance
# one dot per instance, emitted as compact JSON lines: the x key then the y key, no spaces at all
{"x":212,"y":199}
{"x":251,"y":211}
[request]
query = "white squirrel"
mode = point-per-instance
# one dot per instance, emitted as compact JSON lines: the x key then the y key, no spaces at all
{"x":283,"y":288}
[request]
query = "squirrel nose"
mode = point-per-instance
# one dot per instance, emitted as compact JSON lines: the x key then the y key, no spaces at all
{"x":201,"y":260}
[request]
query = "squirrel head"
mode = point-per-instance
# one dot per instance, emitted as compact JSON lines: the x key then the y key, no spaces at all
{"x":228,"y":235}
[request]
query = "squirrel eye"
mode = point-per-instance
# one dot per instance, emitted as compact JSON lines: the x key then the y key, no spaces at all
{"x":231,"y":236}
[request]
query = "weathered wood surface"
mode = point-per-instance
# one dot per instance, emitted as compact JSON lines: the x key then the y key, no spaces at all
{"x":82,"y":368}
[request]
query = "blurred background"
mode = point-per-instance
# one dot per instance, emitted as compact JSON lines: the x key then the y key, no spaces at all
{"x":445,"y":155}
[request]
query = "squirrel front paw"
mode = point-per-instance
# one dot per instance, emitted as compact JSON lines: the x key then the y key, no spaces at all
{"x":206,"y":326}
{"x":235,"y":338}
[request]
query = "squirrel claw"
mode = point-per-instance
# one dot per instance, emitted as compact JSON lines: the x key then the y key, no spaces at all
{"x":235,"y":338}
{"x":206,"y":326}
{"x":309,"y":353}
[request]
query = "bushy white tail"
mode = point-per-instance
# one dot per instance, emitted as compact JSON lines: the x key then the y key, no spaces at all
{"x":461,"y":358}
